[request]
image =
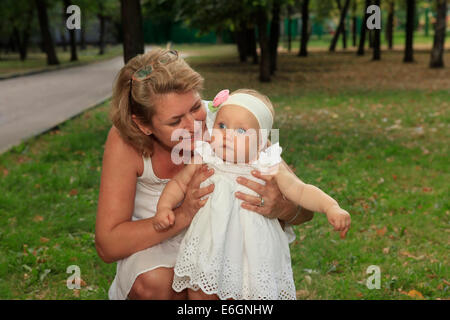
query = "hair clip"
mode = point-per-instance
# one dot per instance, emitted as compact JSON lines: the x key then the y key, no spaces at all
{"x":142,"y":73}
{"x":220,"y":98}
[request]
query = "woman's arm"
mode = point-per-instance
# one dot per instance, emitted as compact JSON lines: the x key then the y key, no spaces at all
{"x":116,"y":236}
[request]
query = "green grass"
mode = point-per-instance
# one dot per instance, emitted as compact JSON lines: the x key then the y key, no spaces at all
{"x":10,"y":64}
{"x":374,"y":136}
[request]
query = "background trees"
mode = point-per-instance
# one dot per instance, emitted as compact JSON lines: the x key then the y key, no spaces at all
{"x":257,"y":27}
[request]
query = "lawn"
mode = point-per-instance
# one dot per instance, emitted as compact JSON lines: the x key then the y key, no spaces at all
{"x":374,"y":135}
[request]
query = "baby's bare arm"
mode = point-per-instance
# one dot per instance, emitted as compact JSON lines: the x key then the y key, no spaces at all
{"x":305,"y":195}
{"x":175,"y":189}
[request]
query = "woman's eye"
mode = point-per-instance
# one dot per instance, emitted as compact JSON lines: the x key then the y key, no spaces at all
{"x":196,"y":108}
{"x":240,"y":131}
{"x":173,"y":124}
{"x":222,"y":125}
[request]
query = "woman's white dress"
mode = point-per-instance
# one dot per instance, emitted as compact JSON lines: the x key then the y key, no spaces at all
{"x":228,"y":250}
{"x":148,"y":190}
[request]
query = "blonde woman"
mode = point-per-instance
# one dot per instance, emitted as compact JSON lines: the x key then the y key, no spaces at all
{"x":154,"y":95}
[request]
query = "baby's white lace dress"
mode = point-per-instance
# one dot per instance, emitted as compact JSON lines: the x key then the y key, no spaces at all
{"x":230,"y":251}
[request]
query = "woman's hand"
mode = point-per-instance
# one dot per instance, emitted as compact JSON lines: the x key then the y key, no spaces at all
{"x":275,"y":205}
{"x":192,"y":202}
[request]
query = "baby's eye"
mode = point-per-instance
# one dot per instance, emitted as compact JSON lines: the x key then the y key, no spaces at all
{"x":222,"y":125}
{"x":240,"y":131}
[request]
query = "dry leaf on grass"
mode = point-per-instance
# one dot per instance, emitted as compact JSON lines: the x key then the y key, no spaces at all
{"x":381,"y":232}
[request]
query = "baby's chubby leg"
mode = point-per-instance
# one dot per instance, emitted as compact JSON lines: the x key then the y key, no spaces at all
{"x":200,"y":295}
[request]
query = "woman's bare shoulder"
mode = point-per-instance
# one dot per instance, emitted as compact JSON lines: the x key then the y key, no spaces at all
{"x":117,"y":150}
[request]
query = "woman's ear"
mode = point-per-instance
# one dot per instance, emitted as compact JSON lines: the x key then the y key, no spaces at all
{"x":145,"y":129}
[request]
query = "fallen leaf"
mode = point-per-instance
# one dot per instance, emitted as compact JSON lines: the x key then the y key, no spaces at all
{"x":381,"y":232}
{"x":308,"y":279}
{"x":427,"y":189}
{"x":44,"y":239}
{"x":38,"y":218}
{"x":415,"y":294}
{"x":409,"y":255}
{"x":73,"y":192}
{"x":386,"y":250}
{"x":5,"y":172}
{"x":302,"y":293}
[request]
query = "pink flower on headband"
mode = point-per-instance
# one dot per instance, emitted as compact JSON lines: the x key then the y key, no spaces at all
{"x":221,"y":97}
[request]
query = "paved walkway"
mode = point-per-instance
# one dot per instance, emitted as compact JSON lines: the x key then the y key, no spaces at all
{"x":30,"y":105}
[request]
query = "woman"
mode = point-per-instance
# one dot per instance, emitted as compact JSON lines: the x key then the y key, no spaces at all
{"x":154,"y":95}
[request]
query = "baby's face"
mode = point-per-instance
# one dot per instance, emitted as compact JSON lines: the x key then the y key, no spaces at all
{"x":235,"y":134}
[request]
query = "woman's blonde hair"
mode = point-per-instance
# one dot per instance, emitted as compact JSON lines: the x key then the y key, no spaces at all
{"x":138,"y":87}
{"x":258,"y":95}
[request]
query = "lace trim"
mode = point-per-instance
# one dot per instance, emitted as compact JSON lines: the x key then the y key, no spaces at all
{"x":218,"y":275}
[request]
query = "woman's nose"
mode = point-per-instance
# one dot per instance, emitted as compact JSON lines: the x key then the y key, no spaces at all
{"x":189,"y":123}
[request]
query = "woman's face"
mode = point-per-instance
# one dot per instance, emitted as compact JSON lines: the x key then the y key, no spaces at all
{"x":235,"y":134}
{"x":179,"y":111}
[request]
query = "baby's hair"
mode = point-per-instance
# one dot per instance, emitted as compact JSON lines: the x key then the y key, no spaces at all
{"x":258,"y":95}
{"x":164,"y":72}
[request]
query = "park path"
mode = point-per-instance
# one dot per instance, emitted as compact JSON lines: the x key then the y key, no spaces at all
{"x":30,"y":105}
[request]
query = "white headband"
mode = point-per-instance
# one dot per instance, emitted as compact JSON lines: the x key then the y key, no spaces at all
{"x":258,"y":108}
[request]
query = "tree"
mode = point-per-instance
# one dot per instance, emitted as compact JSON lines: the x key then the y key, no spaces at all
{"x":362,"y":39}
{"x":264,"y":65}
{"x":303,"y":52}
{"x":390,"y":23}
{"x":289,"y":31}
{"x":354,"y":21}
{"x":73,"y":43}
{"x":133,"y":35}
{"x":47,"y":40}
{"x":341,"y":26}
{"x":437,"y":52}
{"x":274,"y":35}
{"x":410,"y":15}
{"x":376,"y":40}
{"x":344,"y":28}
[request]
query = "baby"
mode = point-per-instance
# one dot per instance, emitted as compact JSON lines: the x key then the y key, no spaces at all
{"x":228,"y":251}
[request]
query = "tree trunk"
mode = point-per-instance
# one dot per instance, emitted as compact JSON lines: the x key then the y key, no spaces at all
{"x":241,"y":40}
{"x":83,"y":38}
{"x":73,"y":41}
{"x":344,"y":29}
{"x":410,"y":13}
{"x":251,"y":38}
{"x":390,"y":25}
{"x":133,"y":35}
{"x":362,"y":39}
{"x":340,"y":27}
{"x":304,"y":38}
{"x":354,"y":24}
{"x":274,"y":36}
{"x":376,"y":39}
{"x":264,"y":64}
{"x":437,"y":52}
{"x":63,"y":29}
{"x":101,"y":39}
{"x":47,"y":40}
{"x":289,"y":31}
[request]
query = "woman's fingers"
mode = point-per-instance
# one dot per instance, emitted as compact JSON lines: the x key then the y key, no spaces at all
{"x":255,"y":186}
{"x":199,"y":193}
{"x":201,"y":175}
{"x":258,"y":209}
{"x":258,"y":175}
{"x":256,"y":201}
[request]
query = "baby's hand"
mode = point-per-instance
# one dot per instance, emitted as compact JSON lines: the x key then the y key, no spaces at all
{"x":163,"y":219}
{"x":339,"y":219}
